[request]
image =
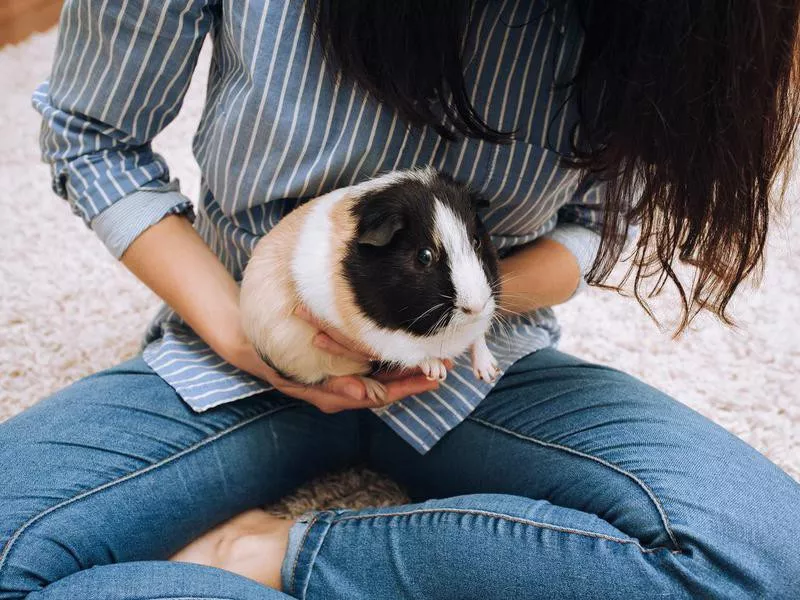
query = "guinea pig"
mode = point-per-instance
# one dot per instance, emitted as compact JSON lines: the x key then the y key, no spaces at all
{"x":400,"y":263}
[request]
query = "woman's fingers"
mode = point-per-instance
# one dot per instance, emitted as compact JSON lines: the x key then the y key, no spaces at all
{"x":325,"y":342}
{"x":348,"y":393}
{"x":408,"y":386}
{"x":340,"y":342}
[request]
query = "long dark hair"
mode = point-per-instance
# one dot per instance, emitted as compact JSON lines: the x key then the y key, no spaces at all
{"x":698,"y":112}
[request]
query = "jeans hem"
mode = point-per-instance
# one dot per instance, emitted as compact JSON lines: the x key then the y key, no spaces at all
{"x":305,"y":540}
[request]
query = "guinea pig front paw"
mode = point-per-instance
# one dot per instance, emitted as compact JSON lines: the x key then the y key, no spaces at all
{"x":434,"y":369}
{"x":484,"y":366}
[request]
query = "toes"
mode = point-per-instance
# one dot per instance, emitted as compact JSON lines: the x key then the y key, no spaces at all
{"x":487,"y":373}
{"x":426,"y":370}
{"x":434,"y":370}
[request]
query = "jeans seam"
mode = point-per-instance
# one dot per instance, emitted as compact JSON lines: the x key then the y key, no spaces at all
{"x":513,"y":519}
{"x":650,"y":494}
{"x":299,"y":550}
{"x":180,"y":454}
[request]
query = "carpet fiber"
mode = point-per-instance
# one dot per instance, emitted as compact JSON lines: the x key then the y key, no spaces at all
{"x":68,"y":309}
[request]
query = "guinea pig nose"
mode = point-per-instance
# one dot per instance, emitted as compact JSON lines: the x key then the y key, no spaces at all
{"x":472,"y":309}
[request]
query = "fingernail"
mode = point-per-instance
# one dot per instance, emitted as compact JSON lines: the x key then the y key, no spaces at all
{"x":353,"y":390}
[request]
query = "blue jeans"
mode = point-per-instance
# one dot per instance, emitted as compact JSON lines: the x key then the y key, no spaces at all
{"x":571,"y":480}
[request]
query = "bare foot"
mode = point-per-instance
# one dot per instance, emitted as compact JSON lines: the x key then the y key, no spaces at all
{"x":251,"y":544}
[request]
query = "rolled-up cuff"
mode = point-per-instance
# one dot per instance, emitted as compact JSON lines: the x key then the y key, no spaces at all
{"x":125,"y":220}
{"x":582,"y":242}
{"x":305,"y":539}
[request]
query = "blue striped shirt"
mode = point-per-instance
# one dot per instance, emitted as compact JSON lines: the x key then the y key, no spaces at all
{"x":279,"y":126}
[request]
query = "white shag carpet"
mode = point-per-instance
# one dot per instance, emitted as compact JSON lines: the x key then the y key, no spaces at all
{"x":68,"y":309}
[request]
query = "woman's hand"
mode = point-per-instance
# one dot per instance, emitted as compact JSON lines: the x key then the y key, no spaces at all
{"x":174,"y":262}
{"x":336,"y":393}
{"x":398,"y":383}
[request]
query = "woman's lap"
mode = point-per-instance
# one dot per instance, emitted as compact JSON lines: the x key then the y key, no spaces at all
{"x":116,"y":468}
{"x":623,"y":459}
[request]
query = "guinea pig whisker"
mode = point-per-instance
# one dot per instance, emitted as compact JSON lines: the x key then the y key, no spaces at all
{"x":497,"y":283}
{"x":430,"y":310}
{"x":436,"y":325}
{"x":504,"y":329}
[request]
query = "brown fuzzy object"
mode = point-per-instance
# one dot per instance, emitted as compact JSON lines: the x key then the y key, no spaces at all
{"x":354,"y":488}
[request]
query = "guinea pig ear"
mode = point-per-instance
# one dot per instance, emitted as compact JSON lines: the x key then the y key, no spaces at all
{"x":380,"y":231}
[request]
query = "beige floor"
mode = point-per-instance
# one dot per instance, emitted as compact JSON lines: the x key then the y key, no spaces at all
{"x":67,"y":309}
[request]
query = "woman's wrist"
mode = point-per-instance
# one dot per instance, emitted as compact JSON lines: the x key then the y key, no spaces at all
{"x":173,"y":261}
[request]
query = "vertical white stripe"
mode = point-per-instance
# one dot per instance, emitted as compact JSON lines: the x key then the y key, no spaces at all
{"x":171,"y":84}
{"x":89,"y":42}
{"x":509,"y":197}
{"x":64,"y":58}
{"x":223,"y":69}
{"x":73,"y":103}
{"x":321,"y":149}
{"x":119,"y":68}
{"x":487,"y":45}
{"x":402,"y":148}
{"x":387,"y":143}
{"x":298,"y":105}
{"x":231,"y":102}
{"x":368,"y":148}
{"x":351,"y":145}
{"x":274,"y":126}
{"x":156,"y":76}
{"x":544,"y":61}
{"x":311,"y":127}
{"x":245,"y":160}
{"x":332,"y":154}
{"x":145,"y":64}
{"x":546,"y":120}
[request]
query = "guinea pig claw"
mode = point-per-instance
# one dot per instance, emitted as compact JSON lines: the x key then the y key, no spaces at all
{"x":484,"y":365}
{"x":434,"y":369}
{"x":376,"y":391}
{"x":488,"y":374}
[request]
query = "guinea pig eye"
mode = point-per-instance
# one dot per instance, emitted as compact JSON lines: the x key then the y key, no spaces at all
{"x":425,"y":256}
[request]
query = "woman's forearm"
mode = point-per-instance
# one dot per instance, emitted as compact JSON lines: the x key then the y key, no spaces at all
{"x":543,"y":273}
{"x":174,"y":262}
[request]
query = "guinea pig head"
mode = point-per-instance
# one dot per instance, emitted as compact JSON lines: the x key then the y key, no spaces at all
{"x":421,"y":260}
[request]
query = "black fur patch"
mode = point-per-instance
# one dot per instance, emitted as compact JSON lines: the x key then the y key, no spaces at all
{"x":391,"y":286}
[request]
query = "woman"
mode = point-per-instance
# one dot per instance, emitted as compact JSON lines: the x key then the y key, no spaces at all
{"x":566,"y":479}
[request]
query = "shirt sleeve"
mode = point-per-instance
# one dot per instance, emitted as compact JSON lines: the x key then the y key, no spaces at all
{"x":580,"y":225}
{"x":119,"y":78}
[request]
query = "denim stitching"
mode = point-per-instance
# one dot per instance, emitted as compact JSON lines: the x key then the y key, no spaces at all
{"x":659,"y":507}
{"x":313,"y":520}
{"x":503,"y":517}
{"x":131,"y":475}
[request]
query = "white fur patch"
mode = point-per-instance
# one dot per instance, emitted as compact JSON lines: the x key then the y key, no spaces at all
{"x":312,"y":260}
{"x":469,"y":280}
